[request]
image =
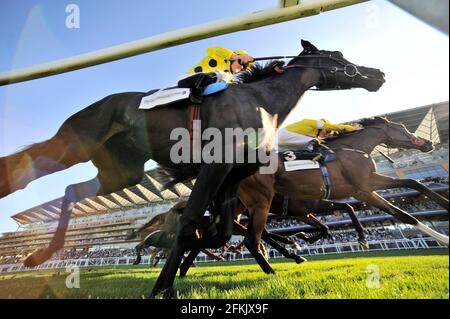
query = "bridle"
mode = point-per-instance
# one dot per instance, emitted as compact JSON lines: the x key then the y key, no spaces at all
{"x":348,"y":69}
{"x":389,"y":139}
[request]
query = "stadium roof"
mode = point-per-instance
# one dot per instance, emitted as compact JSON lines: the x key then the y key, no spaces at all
{"x":148,"y":191}
{"x":430,"y":121}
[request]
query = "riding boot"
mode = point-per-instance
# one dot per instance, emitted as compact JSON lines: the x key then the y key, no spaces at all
{"x":198,"y":82}
{"x":312,"y":148}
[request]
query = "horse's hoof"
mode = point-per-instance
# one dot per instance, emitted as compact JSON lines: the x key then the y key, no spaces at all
{"x":183,"y":272}
{"x":300,"y":259}
{"x":301,"y":235}
{"x":37,"y":257}
{"x":364,"y":244}
{"x":169,"y":293}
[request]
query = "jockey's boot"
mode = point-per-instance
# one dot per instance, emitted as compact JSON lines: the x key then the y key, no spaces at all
{"x":198,"y":82}
{"x":313,"y":149}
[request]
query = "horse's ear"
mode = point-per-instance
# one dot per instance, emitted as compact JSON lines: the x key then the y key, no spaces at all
{"x":308,"y":46}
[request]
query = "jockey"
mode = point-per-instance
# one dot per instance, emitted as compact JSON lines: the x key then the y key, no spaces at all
{"x":307,"y":133}
{"x":218,"y":66}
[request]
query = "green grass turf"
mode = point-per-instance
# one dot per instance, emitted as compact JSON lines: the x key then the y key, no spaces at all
{"x":403,"y":274}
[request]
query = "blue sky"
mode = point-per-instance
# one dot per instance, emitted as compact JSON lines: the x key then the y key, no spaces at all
{"x":413,"y":55}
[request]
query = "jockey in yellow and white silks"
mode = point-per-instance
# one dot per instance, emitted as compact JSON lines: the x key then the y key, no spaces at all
{"x":298,"y":134}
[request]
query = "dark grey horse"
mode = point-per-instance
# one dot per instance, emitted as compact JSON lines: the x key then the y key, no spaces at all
{"x":119,"y":138}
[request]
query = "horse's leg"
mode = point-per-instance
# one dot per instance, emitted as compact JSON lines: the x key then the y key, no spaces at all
{"x":209,"y":182}
{"x":225,"y":249}
{"x":153,"y":257}
{"x":236,"y":248}
{"x":256,"y":226}
{"x":311,"y":220}
{"x":115,"y":174}
{"x":380,"y":182}
{"x":188,"y":261}
{"x":138,"y":249}
{"x":284,"y":240}
{"x":72,"y":144}
{"x":356,"y":223}
{"x":73,"y":194}
{"x":266,"y":236}
{"x":379,"y":202}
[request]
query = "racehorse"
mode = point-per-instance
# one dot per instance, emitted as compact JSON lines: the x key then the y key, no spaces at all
{"x":119,"y":138}
{"x":353,"y":173}
{"x":304,"y":213}
{"x":160,"y":233}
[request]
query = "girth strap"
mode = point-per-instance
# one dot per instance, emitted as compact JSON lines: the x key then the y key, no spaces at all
{"x":194,"y":114}
{"x":327,"y":181}
{"x":285,"y":206}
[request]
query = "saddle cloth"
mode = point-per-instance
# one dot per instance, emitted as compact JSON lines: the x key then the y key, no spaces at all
{"x":306,"y":160}
{"x":302,"y":160}
{"x":174,"y":94}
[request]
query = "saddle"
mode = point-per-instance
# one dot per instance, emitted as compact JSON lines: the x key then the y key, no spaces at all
{"x":312,"y":156}
{"x":192,"y":88}
{"x":318,"y":153}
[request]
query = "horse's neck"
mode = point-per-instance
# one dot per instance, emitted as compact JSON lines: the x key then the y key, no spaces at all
{"x":281,"y":93}
{"x":365,"y":140}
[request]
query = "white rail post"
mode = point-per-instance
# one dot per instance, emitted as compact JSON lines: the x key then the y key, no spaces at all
{"x":433,"y":12}
{"x":246,"y":22}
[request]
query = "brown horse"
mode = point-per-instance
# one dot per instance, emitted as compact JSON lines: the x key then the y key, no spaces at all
{"x":353,"y":173}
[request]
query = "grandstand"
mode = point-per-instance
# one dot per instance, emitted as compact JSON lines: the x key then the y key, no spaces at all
{"x":99,"y":226}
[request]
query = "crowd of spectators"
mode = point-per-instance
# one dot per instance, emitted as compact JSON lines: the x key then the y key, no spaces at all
{"x":408,"y":158}
{"x":411,"y":205}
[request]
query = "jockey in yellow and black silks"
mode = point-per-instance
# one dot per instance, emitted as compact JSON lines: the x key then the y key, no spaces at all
{"x":218,"y":65}
{"x":220,"y":59}
{"x":301,"y":133}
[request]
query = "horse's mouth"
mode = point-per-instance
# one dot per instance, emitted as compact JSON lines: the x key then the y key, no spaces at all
{"x":373,"y":79}
{"x":377,"y":82}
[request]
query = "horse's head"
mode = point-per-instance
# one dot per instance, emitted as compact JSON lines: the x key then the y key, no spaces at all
{"x":398,"y":136}
{"x":337,"y":73}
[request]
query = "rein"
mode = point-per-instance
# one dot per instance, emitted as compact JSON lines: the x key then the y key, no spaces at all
{"x":348,"y":69}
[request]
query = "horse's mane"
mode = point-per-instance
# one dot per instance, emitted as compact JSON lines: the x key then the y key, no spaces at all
{"x":341,"y":135}
{"x":258,"y":71}
{"x":368,"y":121}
